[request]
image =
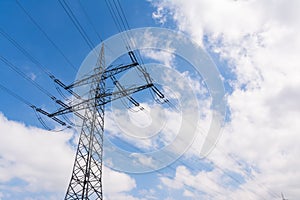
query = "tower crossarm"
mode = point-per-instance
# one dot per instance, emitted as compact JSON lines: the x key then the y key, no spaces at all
{"x":54,"y":118}
{"x":105,"y":98}
{"x":124,"y":92}
{"x":127,"y":92}
{"x":104,"y":75}
{"x":61,"y":84}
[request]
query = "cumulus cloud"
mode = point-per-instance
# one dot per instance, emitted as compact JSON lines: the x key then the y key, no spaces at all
{"x":166,"y":58}
{"x":158,"y":125}
{"x":259,"y":40}
{"x":116,"y":183}
{"x":193,"y":184}
{"x":37,"y":164}
{"x":40,"y":158}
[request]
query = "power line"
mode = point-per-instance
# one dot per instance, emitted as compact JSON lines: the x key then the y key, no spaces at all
{"x":268,"y":190}
{"x":11,"y":93}
{"x":45,"y":34}
{"x":240,"y":183}
{"x":26,"y":77}
{"x":89,"y":20}
{"x":36,"y":110}
{"x":29,"y":56}
{"x":117,"y":23}
{"x":124,"y":22}
{"x":26,"y":53}
{"x":123,"y":13}
{"x":126,"y":26}
{"x":35,"y":61}
{"x":76,"y":23}
{"x":193,"y":188}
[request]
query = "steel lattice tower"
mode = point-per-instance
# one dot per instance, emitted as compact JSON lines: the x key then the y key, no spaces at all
{"x":86,"y":179}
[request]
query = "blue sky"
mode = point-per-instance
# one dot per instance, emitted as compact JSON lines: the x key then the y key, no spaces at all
{"x":255,"y":158}
{"x":61,"y":30}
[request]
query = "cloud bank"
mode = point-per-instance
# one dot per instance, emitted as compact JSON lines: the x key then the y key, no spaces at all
{"x":259,"y":43}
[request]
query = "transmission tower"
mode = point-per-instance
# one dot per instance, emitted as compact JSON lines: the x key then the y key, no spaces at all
{"x":86,"y":179}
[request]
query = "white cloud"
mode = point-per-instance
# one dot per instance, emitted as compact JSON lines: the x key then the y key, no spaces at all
{"x":192,"y":184}
{"x":163,"y":57}
{"x":148,"y":194}
{"x":188,"y":193}
{"x":116,"y":182}
{"x":160,"y":15}
{"x":144,"y":160}
{"x":260,"y":41}
{"x":163,"y":126}
{"x":121,"y":196}
{"x":158,"y":125}
{"x":44,"y":161}
{"x":118,"y":185}
{"x":32,"y":76}
{"x":40,"y":158}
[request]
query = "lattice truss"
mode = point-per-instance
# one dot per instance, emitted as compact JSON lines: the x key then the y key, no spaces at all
{"x":86,"y":179}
